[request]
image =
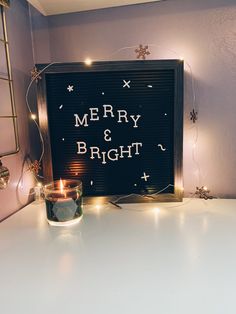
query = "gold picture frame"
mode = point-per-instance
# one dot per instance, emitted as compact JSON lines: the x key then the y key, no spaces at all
{"x":110,"y":67}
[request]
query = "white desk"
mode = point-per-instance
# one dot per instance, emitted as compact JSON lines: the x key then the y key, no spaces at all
{"x":175,"y":260}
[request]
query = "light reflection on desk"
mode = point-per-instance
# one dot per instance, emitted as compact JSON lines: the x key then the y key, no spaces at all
{"x":157,"y":213}
{"x":66,"y":264}
{"x":205,"y":224}
{"x":181,"y":220}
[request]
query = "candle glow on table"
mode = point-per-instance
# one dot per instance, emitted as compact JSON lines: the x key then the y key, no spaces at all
{"x":63,"y":200}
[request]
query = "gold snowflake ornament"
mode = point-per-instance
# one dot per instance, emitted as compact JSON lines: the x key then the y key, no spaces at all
{"x":5,"y":3}
{"x":35,"y":75}
{"x":142,"y":52}
{"x":35,"y":167}
{"x":203,"y":192}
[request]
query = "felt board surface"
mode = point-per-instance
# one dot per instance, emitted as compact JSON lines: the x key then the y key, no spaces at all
{"x":114,"y":127}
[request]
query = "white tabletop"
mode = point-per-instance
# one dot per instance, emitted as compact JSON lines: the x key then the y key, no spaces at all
{"x":164,"y":258}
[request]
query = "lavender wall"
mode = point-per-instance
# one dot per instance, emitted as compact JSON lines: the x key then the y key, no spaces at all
{"x":40,"y":36}
{"x":203,"y":32}
{"x":19,"y":34}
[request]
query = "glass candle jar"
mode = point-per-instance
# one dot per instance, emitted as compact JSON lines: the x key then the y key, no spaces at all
{"x":63,"y":200}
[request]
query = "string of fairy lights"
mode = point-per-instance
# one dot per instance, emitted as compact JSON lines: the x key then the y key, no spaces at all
{"x":141,"y":53}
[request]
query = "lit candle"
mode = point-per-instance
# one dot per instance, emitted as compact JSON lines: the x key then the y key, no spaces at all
{"x":63,"y":200}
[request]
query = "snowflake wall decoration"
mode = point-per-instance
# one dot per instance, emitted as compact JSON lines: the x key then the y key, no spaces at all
{"x":35,"y":167}
{"x":35,"y":74}
{"x":203,"y":192}
{"x":142,"y":52}
{"x":5,"y":3}
{"x":193,"y":116}
{"x":4,"y":176}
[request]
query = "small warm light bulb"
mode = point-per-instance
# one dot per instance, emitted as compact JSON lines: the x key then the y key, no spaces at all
{"x":33,"y":116}
{"x":39,"y":184}
{"x":205,"y":188}
{"x":88,"y":61}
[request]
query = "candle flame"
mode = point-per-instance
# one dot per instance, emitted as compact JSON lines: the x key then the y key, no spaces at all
{"x":61,"y":186}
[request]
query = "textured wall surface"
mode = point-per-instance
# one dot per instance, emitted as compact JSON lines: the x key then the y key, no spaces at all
{"x":40,"y":36}
{"x":18,"y":24}
{"x":203,"y":33}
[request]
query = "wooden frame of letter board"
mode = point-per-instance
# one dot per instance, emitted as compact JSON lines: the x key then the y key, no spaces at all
{"x":176,"y":65}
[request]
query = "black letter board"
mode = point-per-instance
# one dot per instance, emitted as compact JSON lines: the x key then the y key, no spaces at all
{"x":117,"y":126}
